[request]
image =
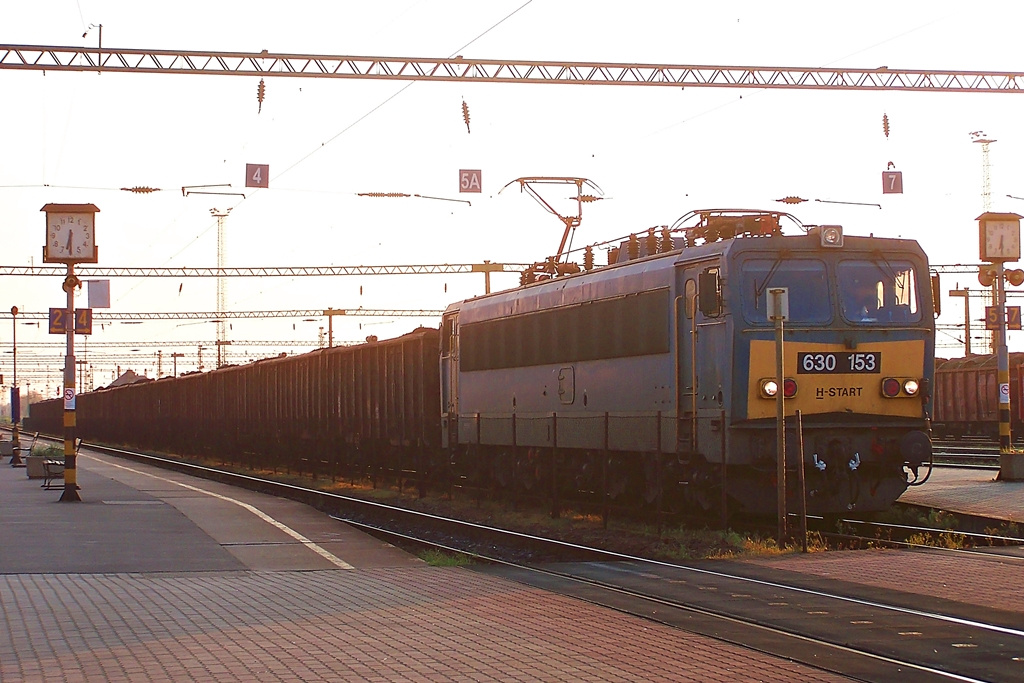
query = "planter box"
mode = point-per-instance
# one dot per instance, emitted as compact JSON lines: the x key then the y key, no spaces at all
{"x":34,"y":466}
{"x":1011,"y":466}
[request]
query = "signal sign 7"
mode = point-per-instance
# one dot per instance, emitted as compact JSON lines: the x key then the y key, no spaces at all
{"x":892,"y":182}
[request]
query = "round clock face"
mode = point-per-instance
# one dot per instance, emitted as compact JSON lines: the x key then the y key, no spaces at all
{"x":70,"y":236}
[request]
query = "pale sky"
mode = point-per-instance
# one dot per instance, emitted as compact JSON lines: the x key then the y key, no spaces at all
{"x":657,"y":153}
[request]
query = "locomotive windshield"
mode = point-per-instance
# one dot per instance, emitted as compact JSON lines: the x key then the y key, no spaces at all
{"x":875,"y":292}
{"x":805,"y":279}
{"x":869,"y":291}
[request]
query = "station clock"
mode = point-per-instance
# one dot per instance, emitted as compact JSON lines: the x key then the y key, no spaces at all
{"x":70,"y":233}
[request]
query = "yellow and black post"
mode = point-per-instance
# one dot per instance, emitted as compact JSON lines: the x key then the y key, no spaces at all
{"x":1002,"y":363}
{"x":780,"y":411}
{"x":15,"y":395}
{"x":70,"y":465}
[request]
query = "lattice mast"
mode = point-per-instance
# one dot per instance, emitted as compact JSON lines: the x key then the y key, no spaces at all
{"x":221,"y":216}
{"x":980,"y":138}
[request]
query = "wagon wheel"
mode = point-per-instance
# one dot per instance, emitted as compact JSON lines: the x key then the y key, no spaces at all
{"x":502,"y":466}
{"x":528,"y":469}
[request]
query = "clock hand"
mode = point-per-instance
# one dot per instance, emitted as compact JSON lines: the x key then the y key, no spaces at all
{"x":70,"y":235}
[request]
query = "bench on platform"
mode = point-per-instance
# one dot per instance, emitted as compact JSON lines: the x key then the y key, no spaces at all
{"x":18,"y":459}
{"x":53,"y":468}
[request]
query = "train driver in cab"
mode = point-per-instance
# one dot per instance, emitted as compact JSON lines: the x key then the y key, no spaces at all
{"x":860,"y":301}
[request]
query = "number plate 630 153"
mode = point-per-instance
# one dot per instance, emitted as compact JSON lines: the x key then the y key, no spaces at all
{"x":839,"y":362}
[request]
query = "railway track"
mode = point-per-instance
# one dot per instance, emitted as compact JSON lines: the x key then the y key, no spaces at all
{"x":977,"y":452}
{"x":780,"y":617}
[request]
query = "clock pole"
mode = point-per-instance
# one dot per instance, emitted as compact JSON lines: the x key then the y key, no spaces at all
{"x":70,"y":452}
{"x":76,"y":245}
{"x":999,"y":235}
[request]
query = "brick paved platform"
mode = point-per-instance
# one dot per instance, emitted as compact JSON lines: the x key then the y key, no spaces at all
{"x":157,"y":577}
{"x":983,"y":580}
{"x":994,"y":581}
{"x":973,"y":492}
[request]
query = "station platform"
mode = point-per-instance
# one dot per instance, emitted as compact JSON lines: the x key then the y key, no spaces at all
{"x":156,"y":576}
{"x":975,"y":583}
{"x":970,"y":492}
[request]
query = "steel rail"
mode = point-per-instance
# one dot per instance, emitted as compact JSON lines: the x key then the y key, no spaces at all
{"x":474,"y":70}
{"x":1008,"y":540}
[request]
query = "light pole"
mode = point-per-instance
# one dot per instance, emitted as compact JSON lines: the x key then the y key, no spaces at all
{"x":965,"y":293}
{"x":222,"y":360}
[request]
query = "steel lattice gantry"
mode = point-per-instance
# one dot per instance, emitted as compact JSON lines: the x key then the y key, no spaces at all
{"x":118,"y":60}
{"x":286,"y":271}
{"x":245,"y":315}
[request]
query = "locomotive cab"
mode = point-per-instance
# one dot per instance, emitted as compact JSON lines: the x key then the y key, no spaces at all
{"x":858,"y":360}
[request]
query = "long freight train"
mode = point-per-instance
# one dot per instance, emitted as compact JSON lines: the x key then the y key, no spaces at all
{"x":967,"y":396}
{"x":651,"y":380}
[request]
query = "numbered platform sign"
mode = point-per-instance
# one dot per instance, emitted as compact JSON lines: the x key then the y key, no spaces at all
{"x":257,"y":175}
{"x":1012,"y":318}
{"x":470,"y":180}
{"x":892,"y":182}
{"x":61,"y":322}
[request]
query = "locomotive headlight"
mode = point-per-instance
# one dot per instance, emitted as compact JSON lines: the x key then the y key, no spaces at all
{"x":893,"y":387}
{"x":831,"y":235}
{"x":770,"y":388}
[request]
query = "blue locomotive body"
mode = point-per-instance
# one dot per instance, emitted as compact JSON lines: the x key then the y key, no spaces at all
{"x":654,"y":368}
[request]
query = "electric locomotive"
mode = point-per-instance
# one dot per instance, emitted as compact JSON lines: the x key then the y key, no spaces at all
{"x":656,"y":376}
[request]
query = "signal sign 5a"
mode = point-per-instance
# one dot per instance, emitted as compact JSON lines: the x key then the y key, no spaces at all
{"x":470,"y":180}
